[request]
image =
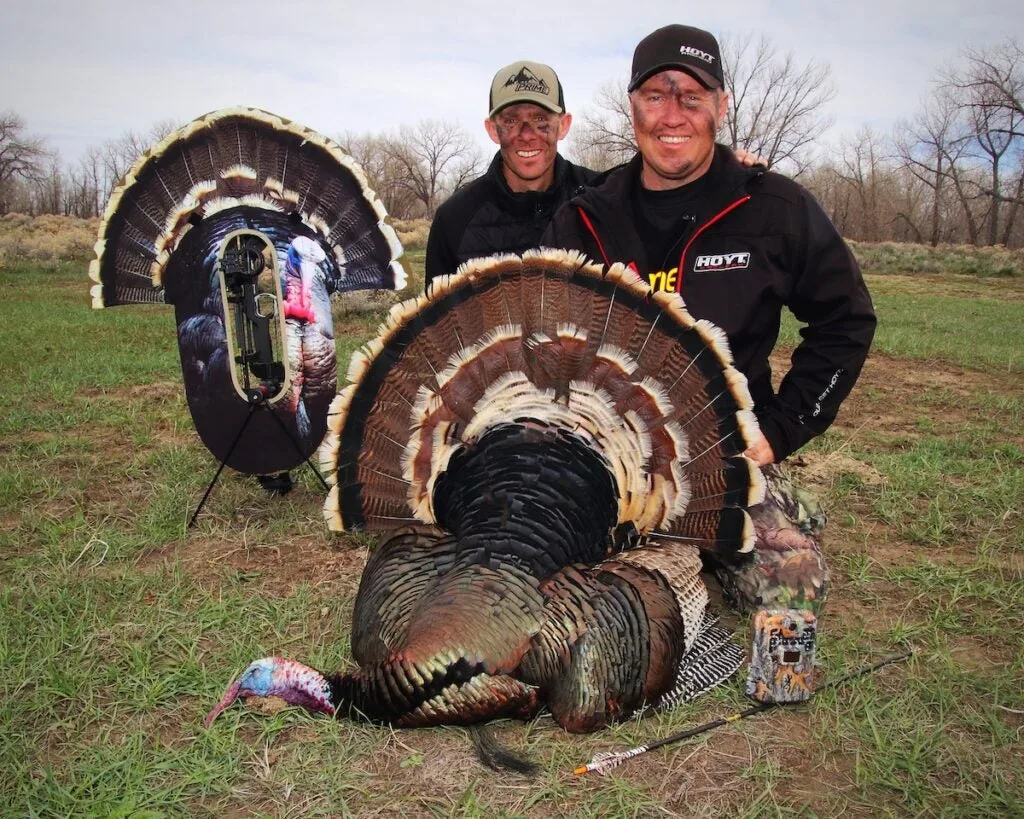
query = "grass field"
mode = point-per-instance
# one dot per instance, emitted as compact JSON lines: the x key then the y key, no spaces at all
{"x":119,"y":628}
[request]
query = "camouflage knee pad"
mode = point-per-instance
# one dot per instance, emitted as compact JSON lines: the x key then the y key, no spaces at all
{"x":786,"y":569}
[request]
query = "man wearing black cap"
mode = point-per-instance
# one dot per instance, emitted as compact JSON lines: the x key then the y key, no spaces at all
{"x":739,"y":244}
{"x":509,"y":207}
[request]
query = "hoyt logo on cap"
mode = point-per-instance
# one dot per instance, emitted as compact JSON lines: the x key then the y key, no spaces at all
{"x":685,"y":48}
{"x":526,"y":82}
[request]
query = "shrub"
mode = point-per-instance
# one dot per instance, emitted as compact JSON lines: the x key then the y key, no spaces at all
{"x":964,"y":260}
{"x":412,"y":233}
{"x":47,"y":239}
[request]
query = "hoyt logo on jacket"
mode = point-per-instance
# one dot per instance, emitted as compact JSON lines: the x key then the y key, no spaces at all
{"x":721,"y":261}
{"x":667,"y":279}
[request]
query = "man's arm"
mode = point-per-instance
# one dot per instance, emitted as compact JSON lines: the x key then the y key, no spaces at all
{"x":830,"y":296}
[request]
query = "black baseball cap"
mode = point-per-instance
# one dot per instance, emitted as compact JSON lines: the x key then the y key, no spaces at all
{"x":689,"y":49}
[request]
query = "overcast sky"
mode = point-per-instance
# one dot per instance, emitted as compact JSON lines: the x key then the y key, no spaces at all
{"x":83,"y":71}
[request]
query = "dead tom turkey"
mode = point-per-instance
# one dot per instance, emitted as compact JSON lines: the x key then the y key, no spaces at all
{"x":545,"y":446}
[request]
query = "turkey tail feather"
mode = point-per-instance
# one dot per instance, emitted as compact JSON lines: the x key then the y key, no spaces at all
{"x":712,"y":659}
{"x":555,"y":339}
{"x":496,"y":756}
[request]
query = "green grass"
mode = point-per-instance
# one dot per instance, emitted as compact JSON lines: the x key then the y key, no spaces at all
{"x":972,"y":324}
{"x":923,"y":327}
{"x":119,"y":628}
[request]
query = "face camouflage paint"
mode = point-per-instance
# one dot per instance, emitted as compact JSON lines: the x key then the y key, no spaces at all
{"x":675,"y":120}
{"x":510,"y":127}
{"x":528,"y":137}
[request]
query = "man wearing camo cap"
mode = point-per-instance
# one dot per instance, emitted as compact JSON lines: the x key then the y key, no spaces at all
{"x":509,"y":207}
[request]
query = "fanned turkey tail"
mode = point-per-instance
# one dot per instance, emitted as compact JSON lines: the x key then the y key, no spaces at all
{"x":239,"y":158}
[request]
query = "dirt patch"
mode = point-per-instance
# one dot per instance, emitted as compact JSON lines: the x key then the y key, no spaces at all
{"x":820,"y":469}
{"x":903,"y":377}
{"x":889,"y":399}
{"x":159,"y":391}
{"x":277,"y":566}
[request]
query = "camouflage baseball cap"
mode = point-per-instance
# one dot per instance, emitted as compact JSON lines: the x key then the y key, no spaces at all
{"x":525,"y":81}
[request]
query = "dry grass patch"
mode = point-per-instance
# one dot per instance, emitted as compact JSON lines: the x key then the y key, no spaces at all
{"x":47,"y":239}
{"x":906,"y":258}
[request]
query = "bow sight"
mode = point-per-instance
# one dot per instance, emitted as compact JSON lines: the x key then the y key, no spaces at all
{"x":257,"y":370}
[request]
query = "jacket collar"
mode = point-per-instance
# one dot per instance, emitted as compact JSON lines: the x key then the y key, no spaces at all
{"x":496,"y":173}
{"x":610,"y":199}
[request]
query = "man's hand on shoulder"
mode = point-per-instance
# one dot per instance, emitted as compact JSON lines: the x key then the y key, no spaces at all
{"x":747,"y":159}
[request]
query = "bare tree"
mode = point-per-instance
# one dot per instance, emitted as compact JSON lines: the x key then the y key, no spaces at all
{"x":370,"y":152}
{"x":51,"y":186}
{"x":930,"y":147}
{"x":990,"y":84}
{"x":859,"y":161}
{"x":996,"y":78}
{"x":602,"y":136}
{"x":1016,"y":187}
{"x":468,"y":168}
{"x":775,"y":104}
{"x":430,"y":156}
{"x":993,"y":127}
{"x":90,"y":182}
{"x":23,"y":158}
{"x":868,"y":196}
{"x":832,"y":194}
{"x":120,"y":154}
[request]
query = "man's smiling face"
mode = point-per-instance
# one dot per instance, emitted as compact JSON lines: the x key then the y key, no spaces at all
{"x":675,"y":119}
{"x":528,"y":136}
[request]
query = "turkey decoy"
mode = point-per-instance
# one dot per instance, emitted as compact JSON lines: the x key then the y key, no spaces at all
{"x":246,"y":223}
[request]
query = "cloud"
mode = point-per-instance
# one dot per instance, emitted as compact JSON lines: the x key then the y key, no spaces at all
{"x":80,"y":73}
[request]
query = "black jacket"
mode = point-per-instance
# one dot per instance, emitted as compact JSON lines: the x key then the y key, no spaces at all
{"x":486,"y":217}
{"x":762,"y":242}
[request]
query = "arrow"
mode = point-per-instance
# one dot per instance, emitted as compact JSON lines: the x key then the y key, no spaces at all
{"x":606,"y":760}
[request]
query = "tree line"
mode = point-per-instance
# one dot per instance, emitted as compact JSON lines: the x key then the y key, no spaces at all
{"x":953,"y":172}
{"x":412,"y":170}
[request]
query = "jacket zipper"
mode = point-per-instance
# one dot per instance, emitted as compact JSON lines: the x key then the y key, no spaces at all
{"x":699,"y":231}
{"x":590,"y":226}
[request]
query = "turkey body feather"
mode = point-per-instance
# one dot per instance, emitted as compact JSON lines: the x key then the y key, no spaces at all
{"x":247,"y":177}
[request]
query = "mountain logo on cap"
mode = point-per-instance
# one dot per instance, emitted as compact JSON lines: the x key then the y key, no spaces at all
{"x":527,"y":81}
